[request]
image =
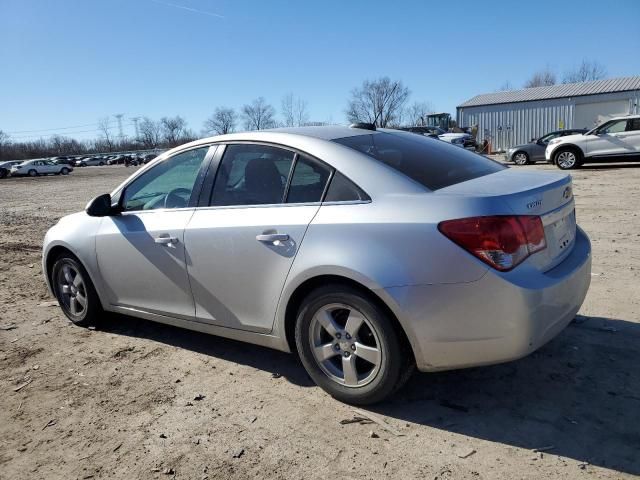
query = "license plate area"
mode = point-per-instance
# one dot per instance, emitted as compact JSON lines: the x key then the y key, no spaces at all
{"x":561,"y":233}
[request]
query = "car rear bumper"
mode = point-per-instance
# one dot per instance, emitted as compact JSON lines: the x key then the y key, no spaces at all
{"x":499,"y":318}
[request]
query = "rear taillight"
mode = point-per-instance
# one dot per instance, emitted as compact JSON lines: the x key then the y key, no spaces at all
{"x":502,"y":241}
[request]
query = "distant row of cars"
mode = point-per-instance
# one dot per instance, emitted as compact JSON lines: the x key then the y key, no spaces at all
{"x":461,"y":139}
{"x":65,"y":165}
{"x":617,"y":140}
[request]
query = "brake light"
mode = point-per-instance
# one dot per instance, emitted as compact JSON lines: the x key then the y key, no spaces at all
{"x":502,"y":241}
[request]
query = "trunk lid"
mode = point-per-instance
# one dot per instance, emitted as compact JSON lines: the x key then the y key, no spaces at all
{"x":548,"y":195}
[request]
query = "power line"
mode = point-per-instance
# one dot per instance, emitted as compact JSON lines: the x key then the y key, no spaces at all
{"x":49,"y":129}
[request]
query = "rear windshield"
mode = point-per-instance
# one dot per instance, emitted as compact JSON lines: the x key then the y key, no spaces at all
{"x":430,"y":162}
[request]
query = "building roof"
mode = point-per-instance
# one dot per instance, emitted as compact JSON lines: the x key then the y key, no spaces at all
{"x":564,"y":90}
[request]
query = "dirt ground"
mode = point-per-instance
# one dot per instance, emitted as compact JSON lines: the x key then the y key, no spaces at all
{"x":134,"y":399}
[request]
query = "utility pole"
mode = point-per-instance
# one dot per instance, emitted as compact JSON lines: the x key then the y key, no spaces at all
{"x":135,"y":124}
{"x":119,"y":117}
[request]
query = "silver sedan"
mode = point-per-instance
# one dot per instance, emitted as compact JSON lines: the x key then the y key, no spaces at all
{"x":369,"y":252}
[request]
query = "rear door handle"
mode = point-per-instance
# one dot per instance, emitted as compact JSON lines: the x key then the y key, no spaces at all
{"x":272,"y":237}
{"x":165,"y":239}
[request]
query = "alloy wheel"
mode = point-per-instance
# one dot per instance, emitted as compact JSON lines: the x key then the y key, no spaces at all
{"x":566,"y":159}
{"x":72,"y":290}
{"x":345,"y":345}
{"x":520,"y":158}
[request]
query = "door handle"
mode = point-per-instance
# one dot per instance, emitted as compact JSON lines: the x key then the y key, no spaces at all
{"x":272,"y":237}
{"x":165,"y":239}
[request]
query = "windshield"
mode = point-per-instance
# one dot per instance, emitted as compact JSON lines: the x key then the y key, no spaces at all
{"x":432,"y":163}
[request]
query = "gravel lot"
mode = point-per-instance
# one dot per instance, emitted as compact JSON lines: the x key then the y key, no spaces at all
{"x":133,"y":399}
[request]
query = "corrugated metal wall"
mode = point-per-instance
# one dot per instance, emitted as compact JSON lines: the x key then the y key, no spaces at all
{"x":512,"y":124}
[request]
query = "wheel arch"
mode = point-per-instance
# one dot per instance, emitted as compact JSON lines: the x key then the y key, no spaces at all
{"x":295,"y":299}
{"x":567,"y":146}
{"x":50,"y":257}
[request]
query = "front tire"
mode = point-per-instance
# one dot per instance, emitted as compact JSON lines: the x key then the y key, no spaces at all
{"x":521,"y":158}
{"x":75,"y":291}
{"x":64,"y":171}
{"x":33,"y":173}
{"x":567,"y":159}
{"x":349,"y":345}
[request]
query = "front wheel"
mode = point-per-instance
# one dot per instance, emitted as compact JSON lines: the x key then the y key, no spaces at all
{"x":64,"y":171}
{"x":33,"y":173}
{"x":567,"y":159}
{"x":75,"y":291}
{"x":349,"y":346}
{"x":3,"y":173}
{"x":521,"y":158}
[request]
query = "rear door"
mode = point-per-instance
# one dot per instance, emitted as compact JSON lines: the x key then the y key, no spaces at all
{"x":241,"y":245}
{"x":141,"y":252}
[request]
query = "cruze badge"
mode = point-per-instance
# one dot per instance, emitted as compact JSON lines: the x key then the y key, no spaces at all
{"x":534,"y":204}
{"x":567,"y":193}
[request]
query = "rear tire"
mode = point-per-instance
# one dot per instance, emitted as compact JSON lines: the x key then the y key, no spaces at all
{"x":64,"y":171}
{"x":101,"y":164}
{"x":521,"y":158}
{"x":567,"y":159}
{"x":350,"y":347}
{"x":74,"y":291}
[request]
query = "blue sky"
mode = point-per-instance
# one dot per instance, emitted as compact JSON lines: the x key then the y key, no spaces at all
{"x":67,"y":63}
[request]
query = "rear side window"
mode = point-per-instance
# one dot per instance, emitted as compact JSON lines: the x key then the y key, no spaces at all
{"x":430,"y":162}
{"x":252,"y":175}
{"x":344,"y":190}
{"x":308,"y":181}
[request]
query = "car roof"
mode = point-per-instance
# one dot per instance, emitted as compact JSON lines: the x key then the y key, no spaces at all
{"x":624,"y":117}
{"x":324,"y":132}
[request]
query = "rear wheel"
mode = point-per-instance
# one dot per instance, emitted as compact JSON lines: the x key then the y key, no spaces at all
{"x":567,"y":159}
{"x":33,"y":173}
{"x":64,"y":171}
{"x":101,"y":164}
{"x":75,"y":291}
{"x":521,"y":158}
{"x":350,"y":346}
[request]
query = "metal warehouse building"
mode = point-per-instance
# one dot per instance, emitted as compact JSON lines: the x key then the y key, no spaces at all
{"x":515,"y":117}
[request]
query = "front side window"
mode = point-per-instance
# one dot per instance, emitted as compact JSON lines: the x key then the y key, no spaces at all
{"x":614,"y":127}
{"x":548,"y":137}
{"x":169,"y":184}
{"x":429,"y":162}
{"x":252,"y":175}
{"x":308,"y":181}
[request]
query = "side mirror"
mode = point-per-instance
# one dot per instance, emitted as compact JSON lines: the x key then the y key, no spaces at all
{"x":100,"y":206}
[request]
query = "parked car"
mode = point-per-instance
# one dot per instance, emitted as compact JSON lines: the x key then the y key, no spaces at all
{"x":617,"y":140}
{"x":33,"y":168}
{"x":63,"y":161}
{"x":463,"y":139}
{"x":534,"y":151}
{"x":5,"y":167}
{"x":148,"y":157}
{"x":367,"y":251}
{"x":91,"y":162}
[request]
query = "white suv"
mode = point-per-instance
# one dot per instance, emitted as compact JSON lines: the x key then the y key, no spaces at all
{"x":616,"y":140}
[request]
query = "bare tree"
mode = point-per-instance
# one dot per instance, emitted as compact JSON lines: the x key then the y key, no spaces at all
{"x":294,"y":111}
{"x":379,"y":102}
{"x":542,"y":78}
{"x":258,"y":115}
{"x":416,"y":114}
{"x":173,"y":129}
{"x":150,"y":132}
{"x":586,"y":72}
{"x":105,"y":132}
{"x":222,"y":121}
{"x":5,"y":140}
{"x":506,"y":86}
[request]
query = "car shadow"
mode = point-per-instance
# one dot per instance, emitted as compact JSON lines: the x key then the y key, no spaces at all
{"x":256,"y":356}
{"x":576,"y":397}
{"x":609,"y":166}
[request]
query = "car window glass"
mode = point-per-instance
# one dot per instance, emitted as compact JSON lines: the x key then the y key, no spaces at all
{"x":430,"y":162}
{"x":633,"y":125}
{"x":308,"y":181}
{"x":615,"y":127}
{"x":167,"y":185}
{"x":342,"y":189}
{"x":548,"y":137}
{"x":252,"y":175}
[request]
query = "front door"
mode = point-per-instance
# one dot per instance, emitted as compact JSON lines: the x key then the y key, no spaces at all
{"x":141,"y":253}
{"x":610,"y":140}
{"x":241,"y":247}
